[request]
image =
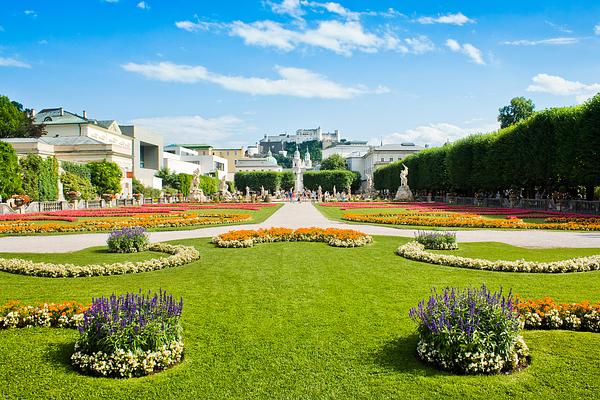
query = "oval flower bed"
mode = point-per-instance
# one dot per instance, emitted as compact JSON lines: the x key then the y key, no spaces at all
{"x":130,"y":335}
{"x":179,"y":255}
{"x":471,"y":331}
{"x":546,"y":314}
{"x":331,"y":236}
{"x":416,"y":252}
{"x":63,"y":315}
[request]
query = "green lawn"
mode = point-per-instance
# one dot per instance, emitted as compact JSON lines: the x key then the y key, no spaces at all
{"x":302,"y":321}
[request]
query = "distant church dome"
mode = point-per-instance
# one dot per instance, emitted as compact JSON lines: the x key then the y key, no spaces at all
{"x":270,"y":158}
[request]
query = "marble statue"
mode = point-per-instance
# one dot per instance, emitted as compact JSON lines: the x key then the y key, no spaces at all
{"x":404,"y":193}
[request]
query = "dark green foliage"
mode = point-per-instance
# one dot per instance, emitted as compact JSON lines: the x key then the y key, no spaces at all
{"x":170,"y":180}
{"x":136,"y":186}
{"x":334,"y":162}
{"x":519,"y":109}
{"x":15,"y":121}
{"x":10,"y":176}
{"x":287,"y":180}
{"x":81,"y":170}
{"x":555,"y":149}
{"x":105,"y":177}
{"x":341,"y":179}
{"x":270,"y":180}
{"x":185,"y":183}
{"x":209,"y":185}
{"x":75,"y":183}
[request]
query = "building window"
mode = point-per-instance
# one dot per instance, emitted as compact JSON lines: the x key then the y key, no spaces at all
{"x":382,"y":159}
{"x":391,"y":158}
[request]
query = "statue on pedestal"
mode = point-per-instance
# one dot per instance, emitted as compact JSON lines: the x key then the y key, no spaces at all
{"x":196,"y":194}
{"x":404,"y":193}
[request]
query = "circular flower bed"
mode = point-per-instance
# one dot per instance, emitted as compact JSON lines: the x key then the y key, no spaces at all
{"x":130,"y":335}
{"x":470,"y":331}
{"x":333,"y":237}
{"x":179,"y":255}
{"x":416,"y":251}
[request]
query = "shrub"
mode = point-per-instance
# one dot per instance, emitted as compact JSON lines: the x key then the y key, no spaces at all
{"x":130,"y":335}
{"x":270,"y":180}
{"x":209,"y":185}
{"x":128,"y":240}
{"x":10,"y":177}
{"x":105,"y":176}
{"x":185,"y":183}
{"x":437,"y":240}
{"x":341,"y":179}
{"x":81,"y":170}
{"x":75,"y":183}
{"x":470,"y":331}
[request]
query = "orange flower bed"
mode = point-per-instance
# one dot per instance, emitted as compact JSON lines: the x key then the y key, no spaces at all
{"x":547,"y":314}
{"x":466,"y":221}
{"x":16,"y":315}
{"x":143,"y":220}
{"x":334,"y":237}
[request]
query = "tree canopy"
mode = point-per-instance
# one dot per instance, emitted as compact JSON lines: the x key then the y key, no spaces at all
{"x":520,"y":108}
{"x":334,"y":162}
{"x":16,"y":121}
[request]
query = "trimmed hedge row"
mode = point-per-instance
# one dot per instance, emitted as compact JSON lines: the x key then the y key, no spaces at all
{"x":555,"y":149}
{"x":273,"y":181}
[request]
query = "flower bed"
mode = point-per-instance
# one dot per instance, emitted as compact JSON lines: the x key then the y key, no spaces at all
{"x":437,"y":240}
{"x":128,"y":240}
{"x":333,"y":237}
{"x":470,"y":331}
{"x":416,"y":252}
{"x":179,"y":255}
{"x":143,"y":220}
{"x":130,"y":335}
{"x":546,"y":314}
{"x":465,"y":221}
{"x":63,"y":315}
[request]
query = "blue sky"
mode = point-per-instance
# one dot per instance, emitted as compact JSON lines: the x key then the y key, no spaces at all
{"x":229,"y":72}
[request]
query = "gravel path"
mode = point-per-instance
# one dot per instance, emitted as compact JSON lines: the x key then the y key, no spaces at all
{"x":302,"y":215}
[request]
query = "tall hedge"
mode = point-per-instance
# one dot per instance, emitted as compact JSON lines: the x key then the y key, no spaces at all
{"x":39,"y":177}
{"x":10,"y":177}
{"x":105,"y":176}
{"x":209,"y":185}
{"x":270,"y":180}
{"x":81,"y":170}
{"x":185,"y":183}
{"x":341,"y":179}
{"x":287,"y":180}
{"x":555,"y":149}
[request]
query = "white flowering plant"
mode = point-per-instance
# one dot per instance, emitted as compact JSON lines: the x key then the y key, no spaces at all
{"x":130,"y":335}
{"x":178,"y":255}
{"x":63,"y":315}
{"x":471,"y":331}
{"x":416,"y":251}
{"x":437,"y":240}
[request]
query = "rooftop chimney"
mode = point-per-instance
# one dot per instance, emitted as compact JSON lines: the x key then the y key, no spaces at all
{"x":84,"y":114}
{"x":62,"y":112}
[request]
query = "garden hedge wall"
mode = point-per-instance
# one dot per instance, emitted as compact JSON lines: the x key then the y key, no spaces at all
{"x":341,"y":179}
{"x":209,"y":185}
{"x":271,"y":180}
{"x":555,"y":149}
{"x":39,"y":177}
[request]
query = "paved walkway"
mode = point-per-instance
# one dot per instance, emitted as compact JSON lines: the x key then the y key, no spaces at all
{"x":302,"y":215}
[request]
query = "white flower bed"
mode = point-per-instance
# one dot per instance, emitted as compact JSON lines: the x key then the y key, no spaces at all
{"x":126,"y":364}
{"x":416,"y":251}
{"x":179,"y":255}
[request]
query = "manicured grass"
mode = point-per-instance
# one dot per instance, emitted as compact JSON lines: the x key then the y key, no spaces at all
{"x":92,"y":255}
{"x":302,"y":321}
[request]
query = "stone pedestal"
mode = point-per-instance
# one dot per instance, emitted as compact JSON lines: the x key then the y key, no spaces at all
{"x":404,"y":194}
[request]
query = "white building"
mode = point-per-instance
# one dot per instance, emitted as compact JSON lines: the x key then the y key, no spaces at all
{"x":277,"y":143}
{"x":347,"y":149}
{"x":268,"y":163}
{"x":76,"y":138}
{"x":379,"y":156}
{"x":180,"y":159}
{"x":147,"y":154}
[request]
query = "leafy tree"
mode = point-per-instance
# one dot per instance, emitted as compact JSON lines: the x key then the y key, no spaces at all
{"x":39,"y":177}
{"x":170,"y":180}
{"x":17,"y":122}
{"x":209,"y":184}
{"x":136,"y":186}
{"x":105,"y":176}
{"x":520,"y":108}
{"x":75,"y":183}
{"x":10,"y":176}
{"x":185,"y":183}
{"x":334,"y":162}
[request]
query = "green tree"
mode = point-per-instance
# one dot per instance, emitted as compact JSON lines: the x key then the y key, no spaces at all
{"x":334,"y":162}
{"x":170,"y":180}
{"x":520,"y":108}
{"x":185,"y":183}
{"x":17,"y":122}
{"x":105,"y":176}
{"x":75,"y":183}
{"x":10,"y":175}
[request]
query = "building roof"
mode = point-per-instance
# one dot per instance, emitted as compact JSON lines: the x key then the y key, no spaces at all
{"x":398,"y":147}
{"x":69,"y":140}
{"x":49,"y":116}
{"x":192,"y":146}
{"x":255,"y":162}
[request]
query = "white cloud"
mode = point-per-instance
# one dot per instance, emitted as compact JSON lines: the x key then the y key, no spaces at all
{"x":559,"y":28}
{"x":222,"y":131}
{"x":468,"y":49}
{"x":597,"y":29}
{"x":12,"y":62}
{"x":30,"y":13}
{"x":552,"y":41}
{"x":451,"y":19}
{"x":559,"y":86}
{"x":191,"y":26}
{"x":341,"y":37}
{"x":142,"y":5}
{"x":434,"y":134}
{"x":292,"y":81}
{"x":292,"y":8}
